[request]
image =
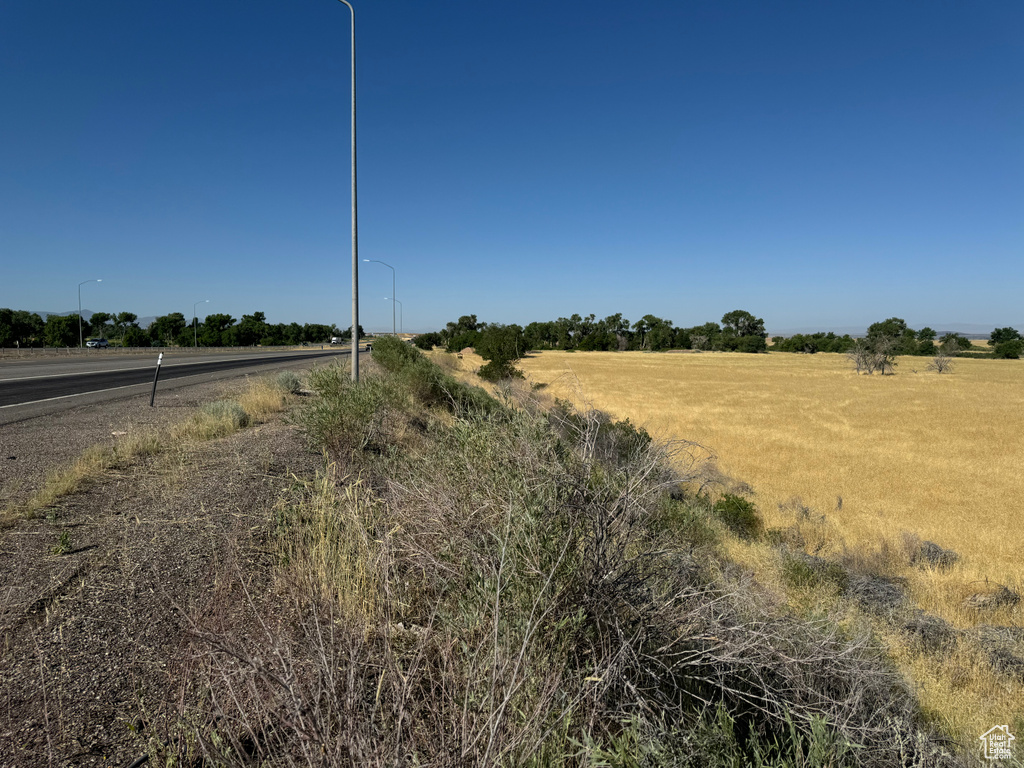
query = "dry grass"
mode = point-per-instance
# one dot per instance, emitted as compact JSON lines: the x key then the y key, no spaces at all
{"x":256,"y":403}
{"x":935,"y":456}
{"x":92,"y":463}
{"x":916,"y":451}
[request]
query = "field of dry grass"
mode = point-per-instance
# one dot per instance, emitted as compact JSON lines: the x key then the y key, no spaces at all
{"x":887,"y":460}
{"x":937,"y":455}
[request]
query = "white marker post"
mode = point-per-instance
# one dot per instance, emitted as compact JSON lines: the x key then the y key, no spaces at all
{"x":152,"y":397}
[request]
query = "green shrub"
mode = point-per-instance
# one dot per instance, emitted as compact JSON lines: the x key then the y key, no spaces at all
{"x":739,"y":515}
{"x":427,"y":341}
{"x":63,"y":545}
{"x":288,"y":381}
{"x":498,"y":370}
{"x":1009,"y":350}
{"x":393,"y":355}
{"x":349,"y":417}
{"x":227,"y":411}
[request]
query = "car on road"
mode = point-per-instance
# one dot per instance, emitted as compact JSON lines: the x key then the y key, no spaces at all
{"x":97,"y":343}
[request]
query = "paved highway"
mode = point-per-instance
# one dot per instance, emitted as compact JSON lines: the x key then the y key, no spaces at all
{"x":36,"y":381}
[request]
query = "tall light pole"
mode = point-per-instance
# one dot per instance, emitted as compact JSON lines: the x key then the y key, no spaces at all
{"x":355,"y":236}
{"x":393,"y":292}
{"x":95,"y":280}
{"x":401,"y":322}
{"x":195,"y":323}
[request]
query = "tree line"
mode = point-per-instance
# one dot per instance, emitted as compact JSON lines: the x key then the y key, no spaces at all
{"x":501,"y":345}
{"x":893,"y":337}
{"x":739,"y":331}
{"x":19,"y":328}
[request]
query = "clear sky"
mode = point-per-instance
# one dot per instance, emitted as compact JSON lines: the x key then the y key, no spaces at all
{"x":820,"y":164}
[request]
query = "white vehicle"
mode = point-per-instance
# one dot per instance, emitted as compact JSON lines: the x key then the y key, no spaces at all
{"x":336,"y":340}
{"x":97,"y":343}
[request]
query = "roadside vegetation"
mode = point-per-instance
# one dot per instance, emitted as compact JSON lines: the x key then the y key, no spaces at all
{"x":500,"y":581}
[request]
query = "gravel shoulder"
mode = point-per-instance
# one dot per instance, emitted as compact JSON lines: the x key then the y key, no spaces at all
{"x":96,"y":643}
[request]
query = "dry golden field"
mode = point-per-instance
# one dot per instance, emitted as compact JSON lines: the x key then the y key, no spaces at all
{"x":940,"y":457}
{"x":937,"y":455}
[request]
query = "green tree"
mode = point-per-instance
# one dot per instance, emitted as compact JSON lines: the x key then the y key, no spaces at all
{"x":1001,"y":335}
{"x":28,"y":328}
{"x":893,"y":337}
{"x":62,"y":330}
{"x":707,"y":336}
{"x":99,"y":321}
{"x":1011,"y":349}
{"x":954,"y":342}
{"x":462,"y":333}
{"x":317,"y":333}
{"x":661,"y":336}
{"x":741,"y":323}
{"x":250,"y":330}
{"x":135,"y":337}
{"x":541,"y":335}
{"x":216,"y":331}
{"x":166,"y":328}
{"x":8,"y":337}
{"x":428,"y":341}
{"x":648,"y":324}
{"x":123,"y":321}
{"x":501,"y":346}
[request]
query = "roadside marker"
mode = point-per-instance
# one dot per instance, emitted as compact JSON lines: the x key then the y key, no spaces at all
{"x":156,"y":376}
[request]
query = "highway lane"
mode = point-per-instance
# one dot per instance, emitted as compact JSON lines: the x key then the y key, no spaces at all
{"x":42,"y":385}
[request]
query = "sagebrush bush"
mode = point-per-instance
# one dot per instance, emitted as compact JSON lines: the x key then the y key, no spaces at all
{"x":228,"y":412}
{"x":349,"y":417}
{"x":289,"y":382}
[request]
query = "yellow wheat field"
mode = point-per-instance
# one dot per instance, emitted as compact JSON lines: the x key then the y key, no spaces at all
{"x":938,"y":455}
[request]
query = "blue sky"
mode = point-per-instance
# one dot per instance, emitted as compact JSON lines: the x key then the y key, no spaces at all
{"x":820,"y":164}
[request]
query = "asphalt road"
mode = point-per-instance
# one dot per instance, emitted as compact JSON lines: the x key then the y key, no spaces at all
{"x":23,"y":384}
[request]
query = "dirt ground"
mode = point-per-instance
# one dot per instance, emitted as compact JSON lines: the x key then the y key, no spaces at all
{"x":96,"y":643}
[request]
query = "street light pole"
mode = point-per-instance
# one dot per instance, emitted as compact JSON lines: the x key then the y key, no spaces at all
{"x":355,"y":236}
{"x":401,"y":321}
{"x":195,"y":323}
{"x":95,"y":280}
{"x":393,"y":291}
